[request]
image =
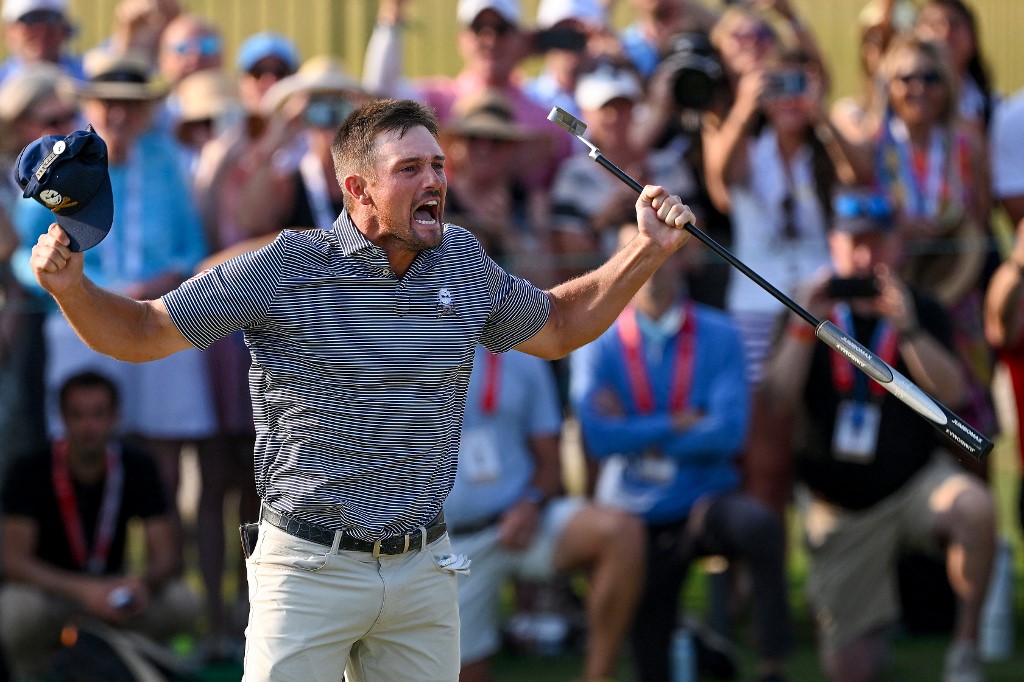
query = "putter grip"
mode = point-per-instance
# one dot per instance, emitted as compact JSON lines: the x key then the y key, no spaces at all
{"x":966,"y":438}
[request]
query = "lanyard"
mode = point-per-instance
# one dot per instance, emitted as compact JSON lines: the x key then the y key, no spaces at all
{"x":317,"y":193}
{"x":924,"y":186}
{"x":682,"y":370}
{"x":69,"y":512}
{"x":489,"y":395}
{"x":883,"y":344}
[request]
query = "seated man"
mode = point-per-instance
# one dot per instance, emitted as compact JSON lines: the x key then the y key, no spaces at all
{"x":505,"y":514}
{"x":663,"y":403}
{"x":65,"y":523}
{"x":878,"y":477}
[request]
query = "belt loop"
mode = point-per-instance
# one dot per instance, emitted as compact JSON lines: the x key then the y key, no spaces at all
{"x":423,"y":538}
{"x":376,"y":549}
{"x":337,"y":541}
{"x":406,"y":548}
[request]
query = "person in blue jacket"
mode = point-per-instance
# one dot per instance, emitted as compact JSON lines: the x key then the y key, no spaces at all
{"x":663,"y":404}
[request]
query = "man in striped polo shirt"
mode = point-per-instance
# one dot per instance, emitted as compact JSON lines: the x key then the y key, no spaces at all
{"x":362,"y":340}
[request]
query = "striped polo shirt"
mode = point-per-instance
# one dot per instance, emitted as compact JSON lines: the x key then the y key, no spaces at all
{"x":359,"y":378}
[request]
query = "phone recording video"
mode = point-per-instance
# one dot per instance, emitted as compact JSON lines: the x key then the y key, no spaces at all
{"x":559,"y":38}
{"x":852,"y":287}
{"x":787,"y":83}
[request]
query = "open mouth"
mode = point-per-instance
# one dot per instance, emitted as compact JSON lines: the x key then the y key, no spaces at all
{"x":427,"y":213}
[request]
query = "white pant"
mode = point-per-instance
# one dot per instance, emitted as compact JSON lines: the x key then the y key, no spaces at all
{"x":315,"y":613}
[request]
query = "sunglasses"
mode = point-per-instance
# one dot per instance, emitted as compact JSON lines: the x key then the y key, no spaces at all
{"x":499,"y":28}
{"x":926,"y":78}
{"x":758,"y":35}
{"x":278,"y":72}
{"x":327,"y":112}
{"x":57,"y":120}
{"x":204,"y":46}
{"x":790,"y":232}
{"x":42,"y":17}
{"x":874,"y":206}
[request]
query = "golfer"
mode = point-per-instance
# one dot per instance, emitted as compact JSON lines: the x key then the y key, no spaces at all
{"x":362,"y":339}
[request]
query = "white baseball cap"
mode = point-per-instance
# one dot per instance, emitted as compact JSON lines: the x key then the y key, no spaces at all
{"x":597,"y":88}
{"x":468,"y":10}
{"x":550,"y":12}
{"x":16,"y":9}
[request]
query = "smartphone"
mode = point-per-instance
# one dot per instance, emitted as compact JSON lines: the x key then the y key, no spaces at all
{"x":786,"y":83}
{"x":852,"y":287}
{"x":559,"y":38}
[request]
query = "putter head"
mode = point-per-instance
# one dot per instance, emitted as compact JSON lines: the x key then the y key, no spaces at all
{"x":567,"y":121}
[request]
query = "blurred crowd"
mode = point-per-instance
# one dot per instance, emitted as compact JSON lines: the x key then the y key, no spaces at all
{"x":705,"y":413}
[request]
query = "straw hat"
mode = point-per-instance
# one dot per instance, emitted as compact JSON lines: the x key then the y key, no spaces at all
{"x":119,"y":75}
{"x":487,"y":114}
{"x":206,"y":94}
{"x":318,"y":75}
{"x":29,"y":85}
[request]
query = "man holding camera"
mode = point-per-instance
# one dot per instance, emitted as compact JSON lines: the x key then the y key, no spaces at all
{"x":65,"y":530}
{"x":876,"y":477}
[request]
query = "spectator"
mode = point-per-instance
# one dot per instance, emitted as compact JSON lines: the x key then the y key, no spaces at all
{"x":207,"y":104}
{"x":655,"y":23}
{"x":65,"y":530}
{"x":139,"y":24}
{"x":589,"y":204}
{"x":878,"y":480}
{"x":663,"y":404}
{"x":189,"y":43}
{"x":932,"y":166}
{"x":779,"y":217}
{"x":483,"y":193}
{"x":858,"y":117}
{"x":311,"y":105}
{"x":492,"y":43}
{"x":953,"y":24}
{"x":154,"y":244}
{"x":507,"y":513}
{"x":569,"y":31}
{"x":37,"y":100}
{"x":37,"y":31}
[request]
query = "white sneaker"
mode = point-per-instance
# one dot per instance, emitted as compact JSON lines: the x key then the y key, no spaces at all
{"x":963,"y":663}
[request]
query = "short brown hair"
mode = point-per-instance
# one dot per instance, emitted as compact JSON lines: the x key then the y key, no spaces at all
{"x":355,"y":144}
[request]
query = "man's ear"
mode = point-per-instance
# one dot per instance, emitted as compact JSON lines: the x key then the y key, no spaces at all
{"x":356,"y":186}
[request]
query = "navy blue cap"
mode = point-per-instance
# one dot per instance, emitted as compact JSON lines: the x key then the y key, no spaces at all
{"x":68,"y":175}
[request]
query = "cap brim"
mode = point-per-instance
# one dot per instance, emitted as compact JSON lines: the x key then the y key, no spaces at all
{"x":87,"y":227}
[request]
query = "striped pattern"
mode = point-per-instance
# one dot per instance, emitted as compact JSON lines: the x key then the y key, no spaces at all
{"x":359,"y":379}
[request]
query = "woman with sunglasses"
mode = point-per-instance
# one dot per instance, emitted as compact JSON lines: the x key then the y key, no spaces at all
{"x":932,"y":166}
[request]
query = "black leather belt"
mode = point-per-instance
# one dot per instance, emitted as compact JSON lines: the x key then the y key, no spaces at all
{"x":396,"y":544}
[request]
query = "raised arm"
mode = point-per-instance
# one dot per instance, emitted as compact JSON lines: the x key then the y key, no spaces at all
{"x":123,"y":328}
{"x":582,"y":308}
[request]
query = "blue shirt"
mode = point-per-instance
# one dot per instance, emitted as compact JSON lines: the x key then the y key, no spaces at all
{"x":359,"y":377}
{"x":703,"y":455}
{"x":504,"y":409}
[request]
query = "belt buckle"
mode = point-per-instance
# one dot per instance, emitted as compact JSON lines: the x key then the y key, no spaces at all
{"x":377,"y":547}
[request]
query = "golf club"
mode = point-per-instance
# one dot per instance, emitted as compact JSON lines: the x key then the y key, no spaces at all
{"x":966,"y":438}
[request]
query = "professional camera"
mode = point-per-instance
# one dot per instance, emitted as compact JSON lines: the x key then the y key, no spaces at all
{"x":696,"y":70}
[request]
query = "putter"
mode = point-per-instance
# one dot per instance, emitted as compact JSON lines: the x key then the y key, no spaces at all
{"x":966,"y":438}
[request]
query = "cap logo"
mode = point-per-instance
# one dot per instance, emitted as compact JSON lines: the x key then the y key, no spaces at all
{"x":55,"y":201}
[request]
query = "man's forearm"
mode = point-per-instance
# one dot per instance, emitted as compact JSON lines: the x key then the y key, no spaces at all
{"x":115,"y":325}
